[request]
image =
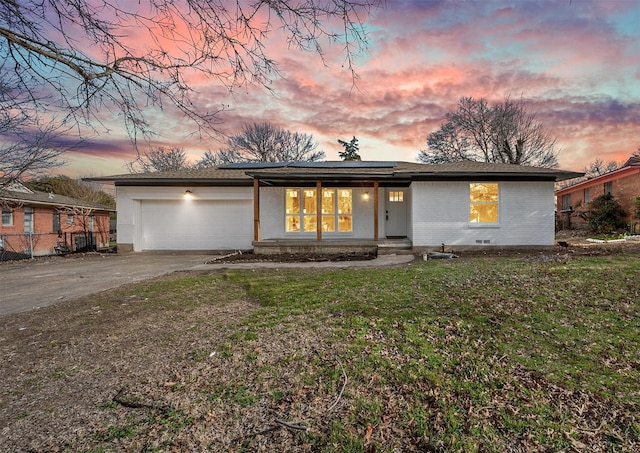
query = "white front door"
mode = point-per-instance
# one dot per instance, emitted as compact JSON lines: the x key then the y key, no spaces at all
{"x":396,"y":213}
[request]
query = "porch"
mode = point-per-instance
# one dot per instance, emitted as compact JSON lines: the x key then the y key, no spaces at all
{"x":401,"y":246}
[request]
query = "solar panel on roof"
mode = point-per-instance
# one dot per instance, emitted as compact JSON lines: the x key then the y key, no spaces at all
{"x":253,"y":165}
{"x":325,"y":164}
{"x":344,"y":164}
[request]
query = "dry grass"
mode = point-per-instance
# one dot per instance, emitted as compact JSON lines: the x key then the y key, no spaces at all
{"x":477,"y":354}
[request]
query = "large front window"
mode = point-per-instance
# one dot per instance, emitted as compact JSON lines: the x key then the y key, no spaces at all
{"x":301,"y":210}
{"x":483,"y":206}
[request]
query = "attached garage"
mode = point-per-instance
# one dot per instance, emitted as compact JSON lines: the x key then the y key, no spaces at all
{"x":196,"y":225}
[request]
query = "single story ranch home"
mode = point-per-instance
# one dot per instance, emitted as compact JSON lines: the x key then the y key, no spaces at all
{"x":325,"y":206}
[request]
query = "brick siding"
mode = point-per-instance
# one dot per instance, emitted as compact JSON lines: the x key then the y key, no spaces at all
{"x":45,"y":239}
{"x":623,"y":189}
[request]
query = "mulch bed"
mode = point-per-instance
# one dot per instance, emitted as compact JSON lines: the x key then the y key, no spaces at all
{"x":250,"y":257}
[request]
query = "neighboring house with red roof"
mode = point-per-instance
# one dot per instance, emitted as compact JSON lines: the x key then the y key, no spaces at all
{"x":345,"y":205}
{"x":623,"y":184}
{"x":38,"y":223}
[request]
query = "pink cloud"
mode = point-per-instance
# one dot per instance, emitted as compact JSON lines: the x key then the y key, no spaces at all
{"x":571,"y":62}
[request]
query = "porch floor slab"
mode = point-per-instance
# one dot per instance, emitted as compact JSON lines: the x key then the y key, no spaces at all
{"x":300,"y":246}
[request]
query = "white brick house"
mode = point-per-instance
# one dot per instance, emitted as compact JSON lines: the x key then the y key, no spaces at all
{"x":464,"y":205}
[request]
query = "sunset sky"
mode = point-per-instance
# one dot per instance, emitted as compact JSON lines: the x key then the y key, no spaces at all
{"x":576,"y":64}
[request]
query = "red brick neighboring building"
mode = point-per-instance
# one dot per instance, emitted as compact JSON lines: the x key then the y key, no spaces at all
{"x":623,"y":184}
{"x":39,"y":223}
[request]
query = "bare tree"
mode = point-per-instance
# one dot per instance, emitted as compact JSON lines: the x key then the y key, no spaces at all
{"x":599,"y":167}
{"x":27,"y":145}
{"x":220,"y":157}
{"x":160,"y":159}
{"x":265,"y":143}
{"x":84,"y":57}
{"x":452,"y":146}
{"x":504,"y":133}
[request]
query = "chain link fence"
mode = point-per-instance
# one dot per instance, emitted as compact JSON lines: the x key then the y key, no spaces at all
{"x":20,"y":246}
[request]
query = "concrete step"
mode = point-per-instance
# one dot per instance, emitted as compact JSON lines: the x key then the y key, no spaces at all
{"x":401,"y":247}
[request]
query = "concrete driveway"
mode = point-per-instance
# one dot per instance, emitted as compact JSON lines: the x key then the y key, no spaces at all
{"x":30,"y":284}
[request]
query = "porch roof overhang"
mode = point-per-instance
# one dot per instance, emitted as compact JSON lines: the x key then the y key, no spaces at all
{"x":386,"y":174}
{"x":329,"y":179}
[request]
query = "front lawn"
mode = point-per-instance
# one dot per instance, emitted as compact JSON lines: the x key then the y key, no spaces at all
{"x":475,"y":354}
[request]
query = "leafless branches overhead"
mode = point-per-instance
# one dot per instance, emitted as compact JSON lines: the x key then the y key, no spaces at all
{"x":81,"y":57}
{"x":505,"y":132}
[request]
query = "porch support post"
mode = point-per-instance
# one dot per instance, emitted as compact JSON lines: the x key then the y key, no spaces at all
{"x":375,"y":210}
{"x":256,"y":209}
{"x":319,"y":211}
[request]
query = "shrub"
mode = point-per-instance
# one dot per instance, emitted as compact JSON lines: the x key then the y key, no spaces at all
{"x":606,"y":214}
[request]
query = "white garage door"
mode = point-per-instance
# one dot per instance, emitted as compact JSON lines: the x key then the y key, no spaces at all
{"x":196,"y":225}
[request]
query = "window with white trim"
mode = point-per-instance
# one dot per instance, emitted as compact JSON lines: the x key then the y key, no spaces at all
{"x":301,"y":210}
{"x":28,"y":220}
{"x":483,"y":202}
{"x":7,"y":217}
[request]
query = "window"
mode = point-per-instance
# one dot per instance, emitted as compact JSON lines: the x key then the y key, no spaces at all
{"x":69,"y":219}
{"x":55,"y":227}
{"x":301,"y":210}
{"x":483,"y":202}
{"x":28,"y":220}
{"x":396,"y":197}
{"x":566,"y":202}
{"x":587,"y":195}
{"x":608,"y":188}
{"x":91,"y":223}
{"x":7,"y":217}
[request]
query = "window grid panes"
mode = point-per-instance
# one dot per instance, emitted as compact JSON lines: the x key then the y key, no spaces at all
{"x":483,"y":205}
{"x":566,"y":202}
{"x":396,"y":196}
{"x":301,"y":210}
{"x":28,"y":220}
{"x":55,"y":227}
{"x":7,"y":217}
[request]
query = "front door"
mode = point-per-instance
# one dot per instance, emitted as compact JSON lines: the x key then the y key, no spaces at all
{"x":396,"y":213}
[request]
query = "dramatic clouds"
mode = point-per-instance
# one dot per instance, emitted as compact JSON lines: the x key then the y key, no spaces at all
{"x":575,"y":63}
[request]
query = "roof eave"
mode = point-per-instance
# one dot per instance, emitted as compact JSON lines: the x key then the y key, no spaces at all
{"x":182,"y":182}
{"x":56,"y":205}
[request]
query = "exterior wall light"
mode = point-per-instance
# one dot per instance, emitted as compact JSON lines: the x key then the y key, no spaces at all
{"x":188,"y":194}
{"x":365,"y":196}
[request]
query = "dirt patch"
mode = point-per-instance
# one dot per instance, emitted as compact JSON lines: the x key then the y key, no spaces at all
{"x":65,"y":367}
